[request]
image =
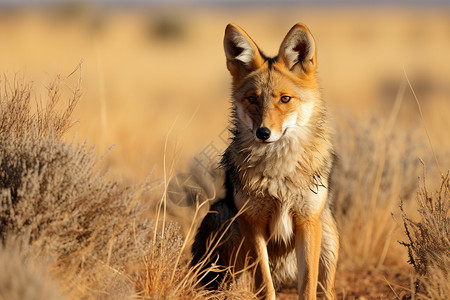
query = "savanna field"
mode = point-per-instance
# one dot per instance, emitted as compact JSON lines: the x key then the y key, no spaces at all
{"x":113,"y":119}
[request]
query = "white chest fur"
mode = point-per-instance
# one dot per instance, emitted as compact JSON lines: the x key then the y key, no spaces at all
{"x":282,"y":225}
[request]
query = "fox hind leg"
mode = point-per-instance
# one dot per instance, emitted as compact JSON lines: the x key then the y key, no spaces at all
{"x":209,"y":249}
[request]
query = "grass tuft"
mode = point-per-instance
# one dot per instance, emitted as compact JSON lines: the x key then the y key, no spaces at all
{"x":376,"y":166}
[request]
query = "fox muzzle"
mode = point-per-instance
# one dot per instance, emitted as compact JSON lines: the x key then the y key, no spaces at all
{"x":263,"y":133}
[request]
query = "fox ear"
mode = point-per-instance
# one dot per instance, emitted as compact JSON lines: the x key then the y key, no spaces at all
{"x":298,"y":50}
{"x":242,"y":53}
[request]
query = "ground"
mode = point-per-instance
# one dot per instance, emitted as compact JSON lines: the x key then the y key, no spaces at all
{"x":366,"y":284}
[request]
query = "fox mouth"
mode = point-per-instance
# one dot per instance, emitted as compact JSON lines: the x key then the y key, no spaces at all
{"x":268,"y":141}
{"x":265,"y":142}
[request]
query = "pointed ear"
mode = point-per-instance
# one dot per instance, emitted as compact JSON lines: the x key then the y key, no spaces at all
{"x":242,"y":53}
{"x":298,"y":50}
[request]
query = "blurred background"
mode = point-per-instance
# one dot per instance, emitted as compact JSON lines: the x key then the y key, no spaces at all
{"x":154,"y":79}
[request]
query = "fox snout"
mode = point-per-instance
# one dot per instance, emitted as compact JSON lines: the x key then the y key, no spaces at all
{"x":263,"y":133}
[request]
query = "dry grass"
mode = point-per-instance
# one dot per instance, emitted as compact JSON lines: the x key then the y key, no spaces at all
{"x":100,"y":236}
{"x":428,"y":241}
{"x":376,"y":168}
{"x":23,"y":277}
{"x":18,"y":119}
{"x":56,"y":198}
{"x":137,"y":83}
{"x":58,"y":205}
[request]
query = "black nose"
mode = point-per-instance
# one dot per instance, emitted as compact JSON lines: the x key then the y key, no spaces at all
{"x":263,"y":133}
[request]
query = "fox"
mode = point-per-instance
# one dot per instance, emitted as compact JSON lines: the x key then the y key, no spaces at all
{"x":276,"y":213}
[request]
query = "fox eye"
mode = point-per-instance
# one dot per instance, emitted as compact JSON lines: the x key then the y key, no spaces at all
{"x":285,"y":99}
{"x":252,"y":99}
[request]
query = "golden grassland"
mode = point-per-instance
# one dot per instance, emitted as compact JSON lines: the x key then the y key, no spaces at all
{"x":146,"y":72}
{"x":154,"y":84}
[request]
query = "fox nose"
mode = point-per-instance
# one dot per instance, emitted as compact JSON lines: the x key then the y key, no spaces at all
{"x":263,"y":133}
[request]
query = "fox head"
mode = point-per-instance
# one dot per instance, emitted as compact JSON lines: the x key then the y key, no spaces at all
{"x":272,"y":97}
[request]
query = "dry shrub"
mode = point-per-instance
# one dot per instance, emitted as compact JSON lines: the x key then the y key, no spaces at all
{"x":56,"y":197}
{"x":436,"y":283}
{"x":24,"y":278}
{"x":57,"y":201}
{"x":53,"y":194}
{"x":376,"y":166}
{"x":429,"y":240}
{"x":18,"y":117}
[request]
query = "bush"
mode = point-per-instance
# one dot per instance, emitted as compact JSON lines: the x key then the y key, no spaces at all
{"x":23,"y":278}
{"x":429,"y":241}
{"x":55,"y":197}
{"x":61,"y":207}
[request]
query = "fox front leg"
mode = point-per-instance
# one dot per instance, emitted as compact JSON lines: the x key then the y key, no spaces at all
{"x":308,"y":240}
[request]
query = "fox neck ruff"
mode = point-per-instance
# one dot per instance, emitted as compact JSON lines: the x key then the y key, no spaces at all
{"x":300,"y":160}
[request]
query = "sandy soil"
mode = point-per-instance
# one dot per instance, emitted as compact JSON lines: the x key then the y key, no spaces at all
{"x":367,"y":284}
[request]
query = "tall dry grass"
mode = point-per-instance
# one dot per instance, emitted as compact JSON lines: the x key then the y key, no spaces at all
{"x":376,"y":168}
{"x":378,"y":163}
{"x":102,"y":241}
{"x":99,"y":237}
{"x":56,"y":198}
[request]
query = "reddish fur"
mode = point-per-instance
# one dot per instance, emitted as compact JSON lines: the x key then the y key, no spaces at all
{"x":281,"y":183}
